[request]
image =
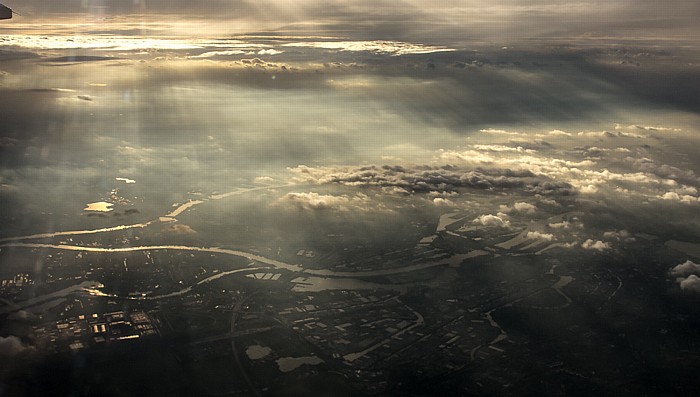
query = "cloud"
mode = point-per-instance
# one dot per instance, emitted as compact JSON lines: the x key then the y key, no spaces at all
{"x":547,"y":188}
{"x":595,"y":245}
{"x":498,"y":220}
{"x":520,"y":207}
{"x":375,"y":47}
{"x":683,"y":198}
{"x":443,"y":202}
{"x":611,"y":134}
{"x":313,"y":201}
{"x":526,"y":208}
{"x":560,"y":225}
{"x":540,"y":236}
{"x":180,"y":229}
{"x":263,"y":179}
{"x":664,"y":170}
{"x":646,"y":128}
{"x":619,"y":235}
{"x":503,"y":148}
{"x":493,"y":131}
{"x":685,"y":269}
{"x":559,"y":133}
{"x":690,"y":283}
{"x":417,"y":179}
{"x":11,"y":346}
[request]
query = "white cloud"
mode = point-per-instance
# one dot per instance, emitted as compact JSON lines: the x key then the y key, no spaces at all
{"x":313,"y":201}
{"x":608,"y":134}
{"x":560,"y":225}
{"x":559,"y":133}
{"x":443,"y":202}
{"x":548,"y":201}
{"x":502,"y":148}
{"x":690,"y":284}
{"x":525,"y":207}
{"x":647,"y":128}
{"x":540,"y":236}
{"x":376,"y":47}
{"x":521,"y":207}
{"x":498,"y":220}
{"x":595,"y":245}
{"x":269,"y":52}
{"x":588,"y":189}
{"x":684,"y":269}
{"x":683,"y":198}
{"x":263,"y":179}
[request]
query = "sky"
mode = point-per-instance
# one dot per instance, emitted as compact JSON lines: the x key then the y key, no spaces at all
{"x":444,"y":21}
{"x":366,"y":113}
{"x":539,"y":103}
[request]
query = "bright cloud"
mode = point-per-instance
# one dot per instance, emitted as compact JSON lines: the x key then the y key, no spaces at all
{"x":690,"y":283}
{"x":595,"y":245}
{"x":498,"y":220}
{"x":685,"y":269}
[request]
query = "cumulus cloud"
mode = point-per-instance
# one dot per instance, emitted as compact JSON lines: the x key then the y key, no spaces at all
{"x":690,"y":283}
{"x":417,"y":179}
{"x":683,"y":198}
{"x":443,"y":202}
{"x":498,"y":220}
{"x":559,"y":133}
{"x":525,"y":207}
{"x":620,"y":235}
{"x":520,"y":207}
{"x":502,"y":148}
{"x":685,"y":269}
{"x":11,"y":346}
{"x":611,"y":134}
{"x":540,"y":236}
{"x":595,"y":245}
{"x":666,"y":171}
{"x":548,"y":188}
{"x":313,"y":201}
{"x":560,"y":225}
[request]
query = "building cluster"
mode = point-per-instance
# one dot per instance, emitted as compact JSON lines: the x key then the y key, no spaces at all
{"x":88,"y":330}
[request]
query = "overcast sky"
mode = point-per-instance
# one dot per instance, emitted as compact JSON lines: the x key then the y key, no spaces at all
{"x":406,"y":19}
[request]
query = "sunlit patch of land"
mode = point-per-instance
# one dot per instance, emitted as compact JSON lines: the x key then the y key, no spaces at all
{"x":100,"y":206}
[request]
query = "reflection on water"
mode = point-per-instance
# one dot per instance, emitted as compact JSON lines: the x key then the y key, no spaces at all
{"x":288,"y":364}
{"x":99,"y":207}
{"x":256,"y":352}
{"x":318,"y":284}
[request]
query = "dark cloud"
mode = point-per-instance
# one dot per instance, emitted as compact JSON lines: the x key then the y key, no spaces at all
{"x":79,"y":58}
{"x":548,"y":188}
{"x":418,"y":179}
{"x":11,"y":346}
